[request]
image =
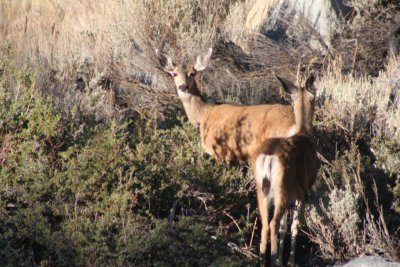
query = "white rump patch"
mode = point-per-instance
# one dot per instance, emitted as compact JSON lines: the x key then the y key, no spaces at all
{"x":260,"y":166}
{"x":267,"y":168}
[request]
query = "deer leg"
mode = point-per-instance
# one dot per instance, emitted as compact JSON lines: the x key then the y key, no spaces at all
{"x":294,"y":229}
{"x":280,"y":208}
{"x":282,"y":234}
{"x":263,"y":209}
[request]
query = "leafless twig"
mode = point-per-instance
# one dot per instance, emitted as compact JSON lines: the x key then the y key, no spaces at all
{"x":245,"y":251}
{"x":252,"y":232}
{"x":234,"y":221}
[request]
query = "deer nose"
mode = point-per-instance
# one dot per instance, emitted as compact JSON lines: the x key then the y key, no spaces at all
{"x":183,"y":87}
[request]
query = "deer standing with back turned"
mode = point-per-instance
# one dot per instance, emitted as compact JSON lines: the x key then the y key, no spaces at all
{"x":284,"y":170}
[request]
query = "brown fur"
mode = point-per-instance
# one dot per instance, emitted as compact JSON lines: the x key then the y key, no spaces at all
{"x":285,"y":169}
{"x":298,"y":158}
{"x":228,"y":132}
{"x":231,"y":132}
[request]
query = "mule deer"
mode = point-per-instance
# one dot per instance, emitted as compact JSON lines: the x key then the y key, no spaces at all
{"x":284,"y":170}
{"x":228,"y":132}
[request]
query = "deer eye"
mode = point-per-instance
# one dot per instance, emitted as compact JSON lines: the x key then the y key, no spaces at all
{"x":191,"y":74}
{"x":174,"y":74}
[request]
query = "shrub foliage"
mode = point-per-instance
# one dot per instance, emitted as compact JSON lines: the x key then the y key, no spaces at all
{"x":79,"y":192}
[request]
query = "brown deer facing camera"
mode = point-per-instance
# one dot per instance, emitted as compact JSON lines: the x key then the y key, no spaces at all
{"x":228,"y":132}
{"x":231,"y":132}
{"x":284,"y":170}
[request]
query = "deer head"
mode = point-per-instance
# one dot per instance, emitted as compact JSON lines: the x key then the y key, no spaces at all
{"x":184,"y":75}
{"x":307,"y":92}
{"x":303,"y":102}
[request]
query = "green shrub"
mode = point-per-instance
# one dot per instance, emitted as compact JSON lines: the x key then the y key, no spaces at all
{"x":347,"y":218}
{"x":387,"y":158}
{"x":78,"y":192}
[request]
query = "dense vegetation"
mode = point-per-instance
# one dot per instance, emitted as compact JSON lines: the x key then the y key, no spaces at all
{"x":76,"y":192}
{"x":89,"y":177}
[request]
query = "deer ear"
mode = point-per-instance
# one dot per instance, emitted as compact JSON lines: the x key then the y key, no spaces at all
{"x":166,"y":61}
{"x":203,"y":60}
{"x":310,"y":84}
{"x":288,"y":86}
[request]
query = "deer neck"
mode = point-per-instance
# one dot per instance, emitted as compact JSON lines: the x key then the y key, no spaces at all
{"x":194,"y":105}
{"x":304,"y":114}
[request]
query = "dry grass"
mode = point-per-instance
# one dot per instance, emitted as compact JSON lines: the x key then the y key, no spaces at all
{"x":346,"y":223}
{"x":233,"y":26}
{"x":350,"y":221}
{"x":368,"y":34}
{"x":108,"y":42}
{"x":63,"y":33}
{"x":361,"y":4}
{"x":57,"y":32}
{"x":65,"y":42}
{"x":358,"y":104}
{"x":258,"y":14}
{"x":93,"y":42}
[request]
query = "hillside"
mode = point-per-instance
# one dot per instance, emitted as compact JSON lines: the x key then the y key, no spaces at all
{"x":99,"y":165}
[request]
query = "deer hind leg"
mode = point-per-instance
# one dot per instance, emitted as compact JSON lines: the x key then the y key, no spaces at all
{"x":263,"y":204}
{"x":280,"y":209}
{"x":294,"y":230}
{"x":263,"y":190}
{"x":282,"y":234}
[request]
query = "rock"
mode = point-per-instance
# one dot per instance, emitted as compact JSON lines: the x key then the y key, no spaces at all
{"x":294,"y":22}
{"x":370,"y":261}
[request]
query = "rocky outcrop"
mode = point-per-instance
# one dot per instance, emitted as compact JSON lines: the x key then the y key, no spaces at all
{"x":314,"y":22}
{"x":370,"y":261}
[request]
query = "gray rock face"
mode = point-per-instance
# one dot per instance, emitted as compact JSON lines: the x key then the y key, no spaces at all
{"x":370,"y":261}
{"x":314,"y":22}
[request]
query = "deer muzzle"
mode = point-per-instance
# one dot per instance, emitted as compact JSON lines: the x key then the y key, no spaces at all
{"x":183,"y":88}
